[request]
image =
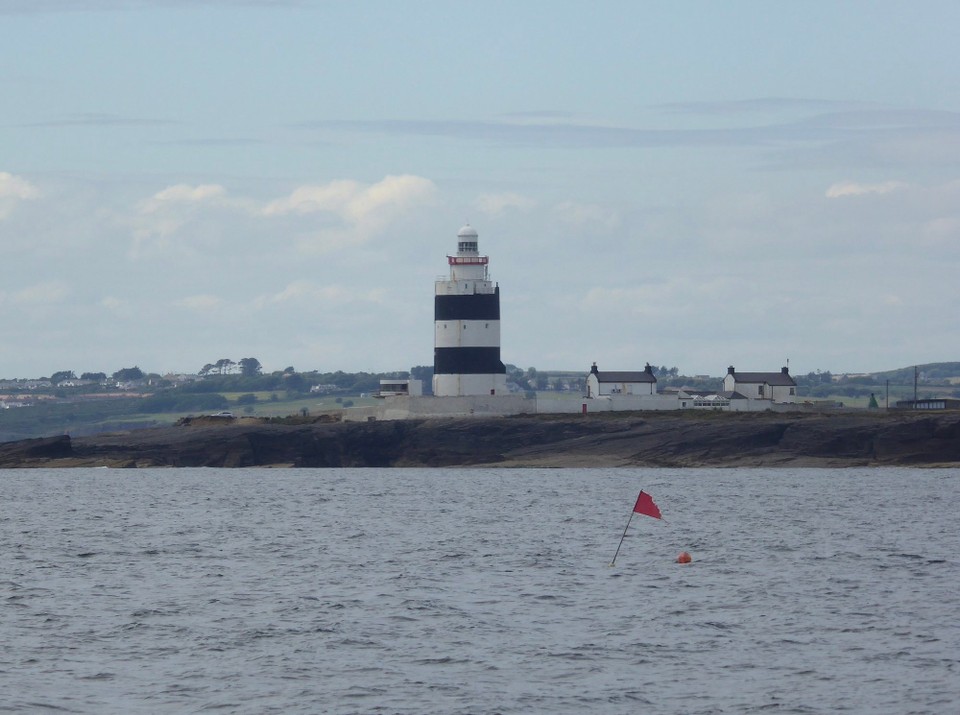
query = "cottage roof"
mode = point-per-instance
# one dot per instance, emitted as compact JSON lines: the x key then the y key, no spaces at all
{"x":774,"y":379}
{"x":628,"y":376}
{"x":732,"y":395}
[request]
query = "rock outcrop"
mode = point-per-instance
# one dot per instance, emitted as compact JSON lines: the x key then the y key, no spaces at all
{"x":674,"y":439}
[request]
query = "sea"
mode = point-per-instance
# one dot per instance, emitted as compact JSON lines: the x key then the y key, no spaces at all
{"x":479,"y":591}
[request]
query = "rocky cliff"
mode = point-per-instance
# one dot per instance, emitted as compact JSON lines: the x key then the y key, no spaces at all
{"x":673,"y":439}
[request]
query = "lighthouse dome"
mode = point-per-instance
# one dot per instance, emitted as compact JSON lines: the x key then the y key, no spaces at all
{"x":467,"y":231}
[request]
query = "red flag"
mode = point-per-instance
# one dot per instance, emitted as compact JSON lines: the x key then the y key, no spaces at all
{"x":646,"y":506}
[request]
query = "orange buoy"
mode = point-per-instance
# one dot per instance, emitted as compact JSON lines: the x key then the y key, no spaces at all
{"x":684,"y":558}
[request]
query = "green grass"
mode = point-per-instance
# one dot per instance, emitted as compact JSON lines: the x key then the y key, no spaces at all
{"x":110,"y":415}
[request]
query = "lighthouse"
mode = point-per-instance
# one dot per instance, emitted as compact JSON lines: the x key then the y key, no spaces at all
{"x":466,"y":353}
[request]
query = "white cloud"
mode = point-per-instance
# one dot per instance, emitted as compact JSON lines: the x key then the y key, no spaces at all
{"x":160,"y":222}
{"x":579,"y":214}
{"x":194,"y":220}
{"x":354,"y":201}
{"x":496,"y":204}
{"x":202,"y":303}
{"x":13,"y":190}
{"x":850,"y":188}
{"x":305,"y":291}
{"x":117,"y":307}
{"x":183,"y":193}
{"x":16,"y":187}
{"x":358,"y":211}
{"x":331,"y":197}
{"x":46,"y":293}
{"x":943,"y":231}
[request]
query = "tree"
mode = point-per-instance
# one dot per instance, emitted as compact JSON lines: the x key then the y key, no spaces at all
{"x":250,"y":367}
{"x":95,"y":376}
{"x":127,"y":374}
{"x":294,"y":382}
{"x":247,"y":399}
{"x":207,"y":369}
{"x":63,"y":375}
{"x":224,"y":364}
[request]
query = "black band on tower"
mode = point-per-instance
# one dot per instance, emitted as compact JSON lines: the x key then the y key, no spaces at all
{"x":480,"y":306}
{"x":467,"y":361}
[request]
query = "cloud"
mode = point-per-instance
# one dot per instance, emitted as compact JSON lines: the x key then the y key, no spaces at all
{"x":356,"y":211}
{"x":202,"y":303}
{"x":849,"y":188}
{"x":164,"y":216}
{"x":540,"y":114}
{"x":13,"y":190}
{"x":303,"y":291}
{"x":45,"y":293}
{"x":794,"y":133}
{"x":184,"y":193}
{"x":352,"y":200}
{"x":764,"y":104}
{"x":945,"y":231}
{"x":98,"y":119}
{"x":118,"y":307}
{"x":210,"y":142}
{"x":572,"y":212}
{"x":37,"y":7}
{"x":16,"y":187}
{"x":316,"y":218}
{"x":550,"y":133}
{"x":496,"y":204}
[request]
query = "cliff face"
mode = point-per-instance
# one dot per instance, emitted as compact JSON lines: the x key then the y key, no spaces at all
{"x":607,"y":440}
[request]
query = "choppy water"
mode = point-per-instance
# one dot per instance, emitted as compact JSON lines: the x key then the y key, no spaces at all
{"x":479,"y":591}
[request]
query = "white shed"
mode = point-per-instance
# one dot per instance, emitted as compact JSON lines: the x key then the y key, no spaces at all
{"x":770,"y":386}
{"x":600,"y":384}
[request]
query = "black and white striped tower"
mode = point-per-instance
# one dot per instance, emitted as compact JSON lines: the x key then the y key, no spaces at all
{"x":466,"y":354}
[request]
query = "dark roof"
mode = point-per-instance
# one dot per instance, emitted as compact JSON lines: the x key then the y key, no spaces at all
{"x":777,"y":379}
{"x":733,"y":395}
{"x":640,"y":376}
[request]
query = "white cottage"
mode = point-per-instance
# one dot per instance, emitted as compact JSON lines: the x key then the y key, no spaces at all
{"x":770,"y":386}
{"x":601,"y":384}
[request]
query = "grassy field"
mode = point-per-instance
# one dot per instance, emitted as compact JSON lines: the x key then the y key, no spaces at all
{"x":50,"y":418}
{"x":89,"y":416}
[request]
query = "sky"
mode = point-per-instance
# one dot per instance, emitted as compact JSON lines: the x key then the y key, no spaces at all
{"x":691,"y":184}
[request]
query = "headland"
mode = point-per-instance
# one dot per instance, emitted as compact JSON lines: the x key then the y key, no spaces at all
{"x":617,"y":439}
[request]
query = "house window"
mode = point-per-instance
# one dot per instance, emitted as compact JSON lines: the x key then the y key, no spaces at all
{"x":760,"y":390}
{"x":793,"y":391}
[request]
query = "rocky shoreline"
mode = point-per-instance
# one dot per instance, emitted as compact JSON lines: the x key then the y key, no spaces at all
{"x":638,"y":439}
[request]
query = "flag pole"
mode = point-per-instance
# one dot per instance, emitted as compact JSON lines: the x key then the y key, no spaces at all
{"x":622,"y":537}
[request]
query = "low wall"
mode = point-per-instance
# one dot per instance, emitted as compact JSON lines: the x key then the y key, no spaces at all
{"x":403,"y":407}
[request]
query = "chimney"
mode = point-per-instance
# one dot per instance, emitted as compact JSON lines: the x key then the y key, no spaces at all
{"x":593,"y":370}
{"x":648,"y":369}
{"x":730,"y":370}
{"x":785,"y":370}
